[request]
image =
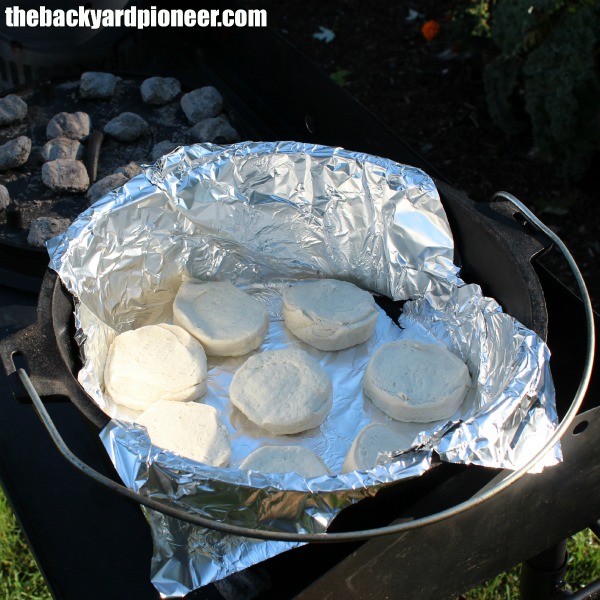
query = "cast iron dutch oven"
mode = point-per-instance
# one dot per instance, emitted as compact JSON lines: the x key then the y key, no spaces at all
{"x":496,"y":243}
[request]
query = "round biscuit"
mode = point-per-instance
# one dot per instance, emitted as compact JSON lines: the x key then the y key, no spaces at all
{"x":371,"y":441}
{"x":412,"y":381}
{"x":189,"y":429}
{"x":152,"y":363}
{"x":329,"y":314}
{"x":283,"y":391}
{"x":226,"y":320}
{"x":285,"y":459}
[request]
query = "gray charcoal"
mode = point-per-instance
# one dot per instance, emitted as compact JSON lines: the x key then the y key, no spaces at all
{"x":170,"y":115}
{"x":163,"y":148}
{"x":4,"y":197}
{"x":75,"y":126}
{"x":12,"y":109}
{"x":127,"y":127}
{"x":160,"y":90}
{"x":45,"y":228}
{"x":209,"y":130}
{"x":130,"y":170}
{"x":105,"y":185}
{"x":62,"y":148}
{"x":94,"y":84}
{"x":63,"y":175}
{"x":14,"y":153}
{"x":202,"y":103}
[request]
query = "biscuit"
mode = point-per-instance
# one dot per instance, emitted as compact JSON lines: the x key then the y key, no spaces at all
{"x":411,"y":381}
{"x":226,"y":320}
{"x":189,"y":429}
{"x":285,"y":459}
{"x":369,"y":443}
{"x":283,"y":391}
{"x":152,"y":363}
{"x":329,"y":314}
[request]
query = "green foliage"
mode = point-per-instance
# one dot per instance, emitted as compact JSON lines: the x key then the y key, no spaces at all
{"x":341,"y":76}
{"x":543,"y":73}
{"x":478,"y":14}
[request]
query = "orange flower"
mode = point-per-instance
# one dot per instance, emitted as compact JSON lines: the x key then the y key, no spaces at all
{"x":430,"y":29}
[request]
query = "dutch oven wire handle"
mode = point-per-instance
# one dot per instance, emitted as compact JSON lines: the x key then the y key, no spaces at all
{"x":365,"y":534}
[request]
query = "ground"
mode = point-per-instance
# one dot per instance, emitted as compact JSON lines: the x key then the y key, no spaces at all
{"x":431,"y":94}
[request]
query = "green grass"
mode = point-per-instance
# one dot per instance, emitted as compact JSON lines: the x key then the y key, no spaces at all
{"x":502,"y":587}
{"x":20,"y":578}
{"x":584,"y":559}
{"x":583,"y":568}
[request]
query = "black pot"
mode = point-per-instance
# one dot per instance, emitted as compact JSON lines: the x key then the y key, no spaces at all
{"x":495,"y":250}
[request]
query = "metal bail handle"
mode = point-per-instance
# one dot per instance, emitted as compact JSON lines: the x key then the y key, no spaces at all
{"x":352,"y":536}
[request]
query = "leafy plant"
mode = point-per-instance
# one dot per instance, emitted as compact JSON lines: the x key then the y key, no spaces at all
{"x":543,"y":73}
{"x":341,"y":76}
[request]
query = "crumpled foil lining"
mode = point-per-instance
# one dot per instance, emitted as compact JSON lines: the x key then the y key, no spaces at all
{"x":263,"y":215}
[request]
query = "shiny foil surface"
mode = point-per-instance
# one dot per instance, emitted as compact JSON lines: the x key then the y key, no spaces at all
{"x":264,"y":216}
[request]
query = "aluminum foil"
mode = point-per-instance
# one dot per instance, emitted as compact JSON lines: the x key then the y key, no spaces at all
{"x":264,"y":215}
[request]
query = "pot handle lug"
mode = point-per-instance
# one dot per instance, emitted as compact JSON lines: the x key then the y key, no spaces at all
{"x":35,"y":349}
{"x":27,"y":349}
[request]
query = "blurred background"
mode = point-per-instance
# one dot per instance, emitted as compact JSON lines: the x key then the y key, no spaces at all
{"x":495,"y":95}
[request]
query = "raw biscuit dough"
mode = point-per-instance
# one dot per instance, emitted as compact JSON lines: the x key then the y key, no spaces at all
{"x":411,"y":381}
{"x":189,"y":429}
{"x":152,"y":363}
{"x":226,"y":320}
{"x":329,"y":314}
{"x":369,"y":443}
{"x":283,"y":391}
{"x":285,"y":459}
